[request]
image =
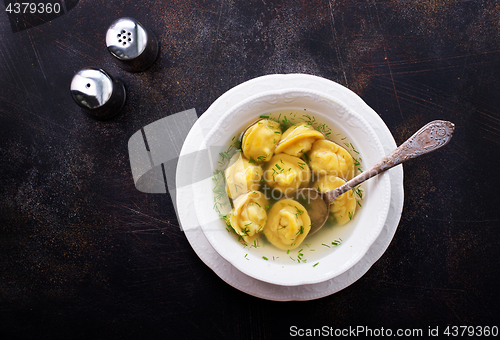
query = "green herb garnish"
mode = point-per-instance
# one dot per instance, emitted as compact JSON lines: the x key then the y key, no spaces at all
{"x":337,"y":242}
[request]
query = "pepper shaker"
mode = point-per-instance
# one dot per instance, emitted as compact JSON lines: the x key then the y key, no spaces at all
{"x":99,"y":94}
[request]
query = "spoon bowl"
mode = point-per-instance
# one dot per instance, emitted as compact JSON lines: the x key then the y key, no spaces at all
{"x":430,"y":137}
{"x":317,"y":208}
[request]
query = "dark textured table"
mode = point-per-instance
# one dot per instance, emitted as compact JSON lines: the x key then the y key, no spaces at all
{"x":84,"y":255}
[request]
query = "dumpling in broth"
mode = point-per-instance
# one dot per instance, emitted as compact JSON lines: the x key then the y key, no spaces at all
{"x":329,"y":158}
{"x":249,"y":215}
{"x":259,"y":141}
{"x":287,"y":224}
{"x":242,"y":176}
{"x":298,"y":139}
{"x":287,"y":173}
{"x":342,"y":208}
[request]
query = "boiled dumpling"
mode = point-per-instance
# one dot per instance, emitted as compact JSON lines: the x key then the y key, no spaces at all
{"x":298,"y":139}
{"x":287,"y":173}
{"x":287,"y":224}
{"x":249,"y":215}
{"x":343,"y":207}
{"x":260,"y":140}
{"x":242,"y":176}
{"x":329,"y":158}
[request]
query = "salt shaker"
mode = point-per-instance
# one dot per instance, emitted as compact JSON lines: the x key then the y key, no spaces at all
{"x":133,"y":45}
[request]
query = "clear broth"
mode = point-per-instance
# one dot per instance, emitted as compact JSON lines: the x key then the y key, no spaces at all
{"x":331,"y":236}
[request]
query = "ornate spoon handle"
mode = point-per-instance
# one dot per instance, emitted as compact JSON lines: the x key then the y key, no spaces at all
{"x":429,"y":138}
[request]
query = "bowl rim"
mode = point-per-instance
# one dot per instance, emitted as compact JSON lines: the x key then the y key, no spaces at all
{"x":382,"y":214}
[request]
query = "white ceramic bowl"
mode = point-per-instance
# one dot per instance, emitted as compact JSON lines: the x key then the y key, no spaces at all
{"x":318,"y":258}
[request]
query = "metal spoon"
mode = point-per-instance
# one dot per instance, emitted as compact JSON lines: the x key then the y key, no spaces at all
{"x":429,"y":138}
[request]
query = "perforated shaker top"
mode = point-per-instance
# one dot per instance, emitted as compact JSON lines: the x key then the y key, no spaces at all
{"x":126,"y":39}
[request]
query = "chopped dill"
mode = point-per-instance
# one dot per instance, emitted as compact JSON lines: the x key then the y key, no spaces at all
{"x":324,"y":129}
{"x":300,"y":212}
{"x":300,"y":231}
{"x":337,"y":242}
{"x":358,"y":191}
{"x":224,"y":155}
{"x":309,"y":120}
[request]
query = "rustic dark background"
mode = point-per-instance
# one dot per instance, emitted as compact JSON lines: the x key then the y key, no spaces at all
{"x":84,"y":255}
